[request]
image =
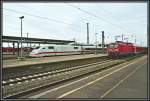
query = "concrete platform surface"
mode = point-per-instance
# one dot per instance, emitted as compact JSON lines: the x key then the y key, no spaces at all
{"x":135,"y":86}
{"x":28,"y":61}
{"x":125,"y":81}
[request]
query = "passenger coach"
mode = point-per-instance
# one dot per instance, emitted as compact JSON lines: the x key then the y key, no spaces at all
{"x":49,"y":50}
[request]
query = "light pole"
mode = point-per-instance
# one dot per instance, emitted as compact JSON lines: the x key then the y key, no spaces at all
{"x":21,"y":34}
{"x":96,"y":43}
{"x":103,"y":39}
{"x":27,"y":39}
{"x":87,"y":33}
{"x":135,"y":44}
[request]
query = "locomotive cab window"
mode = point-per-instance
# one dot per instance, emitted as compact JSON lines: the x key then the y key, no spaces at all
{"x":111,"y":46}
{"x":75,"y":47}
{"x":50,"y":47}
{"x":115,"y":46}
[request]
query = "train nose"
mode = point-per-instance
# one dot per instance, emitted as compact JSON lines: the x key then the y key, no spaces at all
{"x":110,"y":50}
{"x":33,"y":53}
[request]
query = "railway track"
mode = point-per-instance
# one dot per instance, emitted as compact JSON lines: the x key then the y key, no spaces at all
{"x":20,"y":71}
{"x":23,"y":85}
{"x":20,"y":79}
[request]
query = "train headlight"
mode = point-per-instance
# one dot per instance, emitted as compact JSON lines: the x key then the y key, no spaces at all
{"x":116,"y":50}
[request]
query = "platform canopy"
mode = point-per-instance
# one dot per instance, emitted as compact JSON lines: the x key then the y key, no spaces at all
{"x":34,"y":40}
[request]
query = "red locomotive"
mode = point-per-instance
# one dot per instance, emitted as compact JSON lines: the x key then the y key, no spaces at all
{"x":122,"y":48}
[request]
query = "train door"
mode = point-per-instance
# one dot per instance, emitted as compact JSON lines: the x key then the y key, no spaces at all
{"x":56,"y":50}
{"x":70,"y":49}
{"x":119,"y":49}
{"x":63,"y":49}
{"x":75,"y":49}
{"x":60,"y":50}
{"x":122,"y":49}
{"x":130,"y":49}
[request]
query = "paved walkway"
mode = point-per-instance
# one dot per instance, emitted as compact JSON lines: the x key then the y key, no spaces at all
{"x":135,"y":86}
{"x":13,"y":63}
{"x":125,"y":81}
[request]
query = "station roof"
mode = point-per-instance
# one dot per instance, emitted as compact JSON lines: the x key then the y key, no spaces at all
{"x":34,"y":40}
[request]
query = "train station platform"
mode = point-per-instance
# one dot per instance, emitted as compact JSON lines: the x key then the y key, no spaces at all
{"x":133,"y":86}
{"x":32,"y":61}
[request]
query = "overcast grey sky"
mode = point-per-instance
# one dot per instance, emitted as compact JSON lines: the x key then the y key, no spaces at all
{"x":67,"y":21}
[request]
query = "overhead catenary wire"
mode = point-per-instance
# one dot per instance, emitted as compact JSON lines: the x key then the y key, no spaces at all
{"x":12,"y":27}
{"x":42,"y":17}
{"x":129,"y":22}
{"x":91,"y":14}
{"x":18,"y":28}
{"x":42,"y":21}
{"x":77,"y":26}
{"x":15,"y":27}
{"x":100,"y":18}
{"x":85,"y":20}
{"x":35,"y":16}
{"x":106,"y":11}
{"x":57,"y":21}
{"x":26,"y":14}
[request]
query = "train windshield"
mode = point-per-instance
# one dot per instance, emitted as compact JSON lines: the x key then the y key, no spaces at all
{"x":37,"y":47}
{"x":113,"y":46}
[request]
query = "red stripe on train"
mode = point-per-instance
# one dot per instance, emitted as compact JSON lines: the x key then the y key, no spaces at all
{"x":50,"y":52}
{"x":57,"y":52}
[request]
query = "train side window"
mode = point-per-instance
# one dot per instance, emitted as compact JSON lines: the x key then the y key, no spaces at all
{"x":50,"y":47}
{"x":75,"y":47}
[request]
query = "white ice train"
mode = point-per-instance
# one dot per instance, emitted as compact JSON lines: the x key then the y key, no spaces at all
{"x":49,"y":50}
